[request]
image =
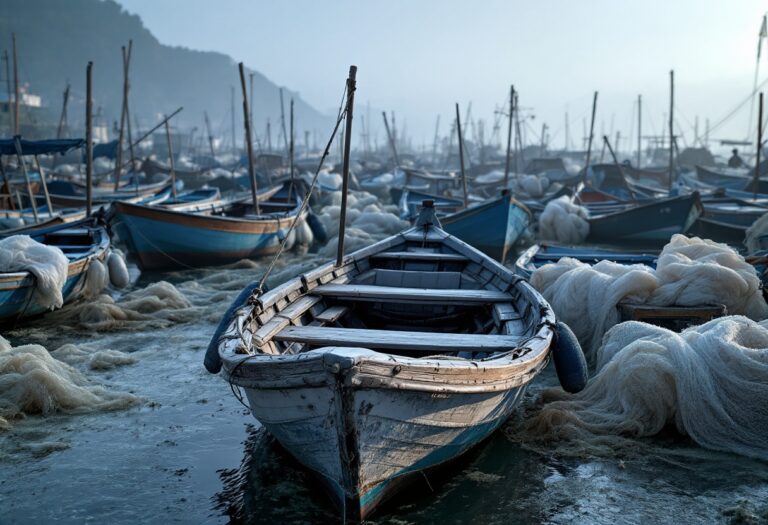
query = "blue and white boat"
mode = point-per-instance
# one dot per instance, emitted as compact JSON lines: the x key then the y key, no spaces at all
{"x":195,"y":235}
{"x":493,"y":226}
{"x":82,"y":242}
{"x":401,"y":359}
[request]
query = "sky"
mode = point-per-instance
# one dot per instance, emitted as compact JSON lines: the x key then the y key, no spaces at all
{"x":420,"y":57}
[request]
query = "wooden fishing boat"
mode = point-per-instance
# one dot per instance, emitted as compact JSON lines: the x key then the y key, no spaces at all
{"x":732,"y":178}
{"x":652,"y":221}
{"x":400,"y":359}
{"x":67,"y":195}
{"x":493,"y":226}
{"x":81,"y":242}
{"x":215,"y":234}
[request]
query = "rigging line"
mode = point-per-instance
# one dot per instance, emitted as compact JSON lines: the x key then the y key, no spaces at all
{"x":304,"y":204}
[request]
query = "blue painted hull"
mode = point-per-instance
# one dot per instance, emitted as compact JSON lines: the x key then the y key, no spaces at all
{"x":165,"y":239}
{"x":652,"y":222}
{"x":492,"y":227}
{"x":17,"y":289}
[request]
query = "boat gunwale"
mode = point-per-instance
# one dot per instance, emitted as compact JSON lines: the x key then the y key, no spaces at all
{"x":373,"y":369}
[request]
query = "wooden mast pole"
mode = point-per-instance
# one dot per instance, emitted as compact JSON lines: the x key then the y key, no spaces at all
{"x":210,"y":136}
{"x":461,"y":157}
{"x":391,"y":139}
{"x":248,"y":144}
{"x":508,"y":160}
{"x":121,"y":130}
{"x":170,"y":158}
{"x":63,"y":117}
{"x":351,"y":86}
{"x":639,"y":129}
{"x":11,"y":125}
{"x":291,"y":146}
{"x":589,"y":138}
{"x":17,"y":94}
{"x":756,"y":179}
{"x":671,"y":126}
{"x":88,"y":139}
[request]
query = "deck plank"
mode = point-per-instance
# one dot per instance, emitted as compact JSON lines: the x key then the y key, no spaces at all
{"x":396,"y":340}
{"x":365,"y":292}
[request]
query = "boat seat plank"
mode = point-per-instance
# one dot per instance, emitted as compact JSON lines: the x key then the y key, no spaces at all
{"x":396,"y":340}
{"x":416,"y":279}
{"x":363,"y":292}
{"x":421,"y":256}
{"x":332,"y":314}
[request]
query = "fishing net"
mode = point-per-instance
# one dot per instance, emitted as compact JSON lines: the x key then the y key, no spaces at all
{"x":758,"y":229}
{"x":709,"y":382}
{"x":689,"y":272}
{"x":48,"y":264}
{"x":33,"y":382}
{"x":563,"y":221}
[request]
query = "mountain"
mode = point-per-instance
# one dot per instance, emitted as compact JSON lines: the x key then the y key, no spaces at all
{"x":57,"y":38}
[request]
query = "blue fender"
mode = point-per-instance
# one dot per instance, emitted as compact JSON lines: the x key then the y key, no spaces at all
{"x":570,"y":363}
{"x":318,"y":230}
{"x":212,"y":359}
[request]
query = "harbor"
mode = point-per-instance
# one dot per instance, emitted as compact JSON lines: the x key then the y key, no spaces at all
{"x":219,"y":304}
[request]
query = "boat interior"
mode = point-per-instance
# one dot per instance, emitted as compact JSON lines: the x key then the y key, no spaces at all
{"x":416,"y":300}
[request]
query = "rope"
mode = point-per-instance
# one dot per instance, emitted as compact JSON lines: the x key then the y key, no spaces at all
{"x":305,"y":202}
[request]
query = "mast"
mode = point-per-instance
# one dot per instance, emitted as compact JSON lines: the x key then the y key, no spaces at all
{"x":11,"y":125}
{"x":671,"y":125}
{"x":509,"y":134}
{"x":589,"y":138}
{"x":351,"y":86}
{"x":282,"y":121}
{"x":639,"y":129}
{"x":461,"y":157}
{"x":88,"y":139}
{"x":210,"y":136}
{"x":16,"y":97}
{"x":234,"y":135}
{"x":170,"y":158}
{"x":756,"y":179}
{"x":63,"y":118}
{"x":248,"y":143}
{"x":391,"y":138}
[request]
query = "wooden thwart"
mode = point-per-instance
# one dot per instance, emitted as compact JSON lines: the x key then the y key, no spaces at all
{"x":421,"y":256}
{"x":364,"y":292}
{"x":396,"y":340}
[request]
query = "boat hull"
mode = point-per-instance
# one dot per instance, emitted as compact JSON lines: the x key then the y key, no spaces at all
{"x":492,"y":227}
{"x":654,"y":223}
{"x":365,"y":443}
{"x":165,"y":239}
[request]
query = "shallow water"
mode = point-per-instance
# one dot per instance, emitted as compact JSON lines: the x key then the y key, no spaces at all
{"x":190,"y":453}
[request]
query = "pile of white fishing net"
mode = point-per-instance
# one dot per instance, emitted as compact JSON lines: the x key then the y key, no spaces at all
{"x":564,"y":221}
{"x":689,"y":272}
{"x":709,"y":382}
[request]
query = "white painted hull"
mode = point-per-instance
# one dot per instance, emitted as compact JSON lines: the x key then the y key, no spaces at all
{"x":364,"y":442}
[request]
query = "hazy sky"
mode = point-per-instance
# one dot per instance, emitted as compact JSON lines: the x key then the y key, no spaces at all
{"x":418,"y":57}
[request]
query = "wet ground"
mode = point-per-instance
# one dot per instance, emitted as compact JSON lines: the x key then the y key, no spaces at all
{"x":190,"y":453}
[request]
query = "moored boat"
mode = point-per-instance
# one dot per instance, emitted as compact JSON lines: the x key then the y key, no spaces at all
{"x":493,"y":226}
{"x":81,"y":242}
{"x":400,"y":359}
{"x":219,"y":233}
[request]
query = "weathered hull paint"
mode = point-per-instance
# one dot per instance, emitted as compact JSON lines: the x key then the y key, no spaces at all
{"x":391,"y":433}
{"x":654,"y":222}
{"x":167,"y":239}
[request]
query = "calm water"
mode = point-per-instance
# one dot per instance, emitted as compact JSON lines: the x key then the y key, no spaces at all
{"x":192,"y":454}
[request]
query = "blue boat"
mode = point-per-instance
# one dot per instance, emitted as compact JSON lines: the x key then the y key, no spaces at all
{"x":493,"y":226}
{"x":653,"y":221}
{"x":216,"y":234}
{"x":540,"y":254}
{"x":81,"y":242}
